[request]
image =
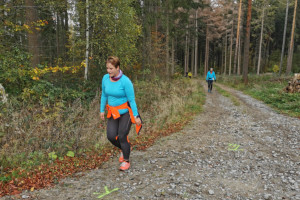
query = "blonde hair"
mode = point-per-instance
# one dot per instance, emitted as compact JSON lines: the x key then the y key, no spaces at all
{"x":114,"y":60}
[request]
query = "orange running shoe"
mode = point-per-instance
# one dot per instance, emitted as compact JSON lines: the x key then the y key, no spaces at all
{"x":124,"y":166}
{"x":121,"y":158}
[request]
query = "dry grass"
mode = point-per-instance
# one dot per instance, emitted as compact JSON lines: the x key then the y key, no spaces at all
{"x":27,"y":135}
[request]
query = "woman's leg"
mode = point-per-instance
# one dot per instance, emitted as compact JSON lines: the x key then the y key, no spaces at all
{"x":208,"y":85}
{"x":123,"y":131}
{"x":112,"y":131}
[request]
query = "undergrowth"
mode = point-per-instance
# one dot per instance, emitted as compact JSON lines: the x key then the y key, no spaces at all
{"x":34,"y":135}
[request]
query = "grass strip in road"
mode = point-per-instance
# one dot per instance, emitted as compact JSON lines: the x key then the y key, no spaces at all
{"x":268,"y":89}
{"x":234,"y":100}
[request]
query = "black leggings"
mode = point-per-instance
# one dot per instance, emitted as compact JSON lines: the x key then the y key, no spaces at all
{"x":210,"y":84}
{"x":117,"y":132}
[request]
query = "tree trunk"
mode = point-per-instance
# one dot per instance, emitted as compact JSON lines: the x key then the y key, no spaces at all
{"x":196,"y":45}
{"x":66,"y":28}
{"x":237,"y":38}
{"x":62,"y":36}
{"x":284,"y":35}
{"x":167,"y":40}
{"x":33,"y":35}
{"x":192,"y":55}
{"x":291,"y":49}
{"x":206,"y":53}
{"x":186,"y":53}
{"x":57,"y":36}
{"x":260,"y":41}
{"x":239,"y":57}
{"x":247,"y":44}
{"x":225,"y":67}
{"x":231,"y":41}
{"x":222,"y":57}
{"x":87,"y":42}
{"x":267,"y":60}
{"x":173,"y":57}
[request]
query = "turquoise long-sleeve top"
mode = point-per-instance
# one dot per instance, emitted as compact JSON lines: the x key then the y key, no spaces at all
{"x":118,"y":93}
{"x":211,"y":76}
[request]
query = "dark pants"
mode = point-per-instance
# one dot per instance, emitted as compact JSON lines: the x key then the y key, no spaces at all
{"x":210,"y":84}
{"x":117,"y":133}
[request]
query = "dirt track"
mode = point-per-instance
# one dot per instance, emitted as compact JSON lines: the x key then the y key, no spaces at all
{"x":203,"y":161}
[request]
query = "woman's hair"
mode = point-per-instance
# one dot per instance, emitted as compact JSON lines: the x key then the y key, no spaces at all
{"x":114,"y":60}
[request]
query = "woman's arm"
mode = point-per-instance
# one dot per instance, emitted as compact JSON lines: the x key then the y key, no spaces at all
{"x":103,"y":97}
{"x":129,"y":91}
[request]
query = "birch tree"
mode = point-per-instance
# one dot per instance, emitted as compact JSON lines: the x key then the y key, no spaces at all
{"x":87,"y":42}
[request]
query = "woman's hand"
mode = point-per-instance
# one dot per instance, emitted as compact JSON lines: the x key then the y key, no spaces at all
{"x":138,"y":121}
{"x":102,"y":116}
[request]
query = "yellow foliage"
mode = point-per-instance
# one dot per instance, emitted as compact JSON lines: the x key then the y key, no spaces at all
{"x":83,"y":64}
{"x":275,"y":68}
{"x":36,"y":72}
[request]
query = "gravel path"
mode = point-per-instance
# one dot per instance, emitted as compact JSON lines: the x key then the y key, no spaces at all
{"x":227,"y":152}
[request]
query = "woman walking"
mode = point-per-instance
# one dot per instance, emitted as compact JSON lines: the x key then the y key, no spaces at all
{"x":211,"y":76}
{"x":119,"y":100}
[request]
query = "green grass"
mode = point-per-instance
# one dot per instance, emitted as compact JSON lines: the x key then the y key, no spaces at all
{"x":234,"y":100}
{"x":269,"y":89}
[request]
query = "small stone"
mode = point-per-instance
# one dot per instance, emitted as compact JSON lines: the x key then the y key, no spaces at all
{"x":292,"y":181}
{"x":25,"y":196}
{"x":267,"y":196}
{"x":197,"y":184}
{"x":211,"y":192}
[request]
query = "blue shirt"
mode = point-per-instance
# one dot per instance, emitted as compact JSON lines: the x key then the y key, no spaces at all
{"x":211,"y":76}
{"x":118,"y":93}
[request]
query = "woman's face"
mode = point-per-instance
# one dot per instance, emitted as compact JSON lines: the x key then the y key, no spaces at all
{"x":112,"y":70}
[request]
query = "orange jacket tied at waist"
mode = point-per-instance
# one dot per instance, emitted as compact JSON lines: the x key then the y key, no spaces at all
{"x":114,"y":111}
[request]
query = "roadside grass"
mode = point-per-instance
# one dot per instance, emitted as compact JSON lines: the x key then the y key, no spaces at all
{"x":40,"y":145}
{"x":269,"y":89}
{"x":234,"y":100}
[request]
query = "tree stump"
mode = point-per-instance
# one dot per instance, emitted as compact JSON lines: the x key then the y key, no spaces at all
{"x":293,"y":85}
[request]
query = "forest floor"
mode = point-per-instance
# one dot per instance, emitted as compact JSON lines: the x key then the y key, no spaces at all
{"x":227,"y":152}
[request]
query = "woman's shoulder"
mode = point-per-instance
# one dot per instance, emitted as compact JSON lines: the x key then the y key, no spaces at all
{"x":125,"y":78}
{"x":106,"y":76}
